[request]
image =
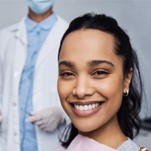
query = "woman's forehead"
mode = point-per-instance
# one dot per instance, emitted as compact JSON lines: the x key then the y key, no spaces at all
{"x":88,"y":41}
{"x":88,"y":45}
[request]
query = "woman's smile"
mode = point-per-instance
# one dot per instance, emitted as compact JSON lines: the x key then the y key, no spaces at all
{"x":85,"y":109}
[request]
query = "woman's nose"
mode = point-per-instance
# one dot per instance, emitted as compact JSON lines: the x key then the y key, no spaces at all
{"x":83,"y":88}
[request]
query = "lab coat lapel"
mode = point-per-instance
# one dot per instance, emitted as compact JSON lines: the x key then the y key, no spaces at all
{"x":20,"y":52}
{"x":20,"y":32}
{"x":48,"y":46}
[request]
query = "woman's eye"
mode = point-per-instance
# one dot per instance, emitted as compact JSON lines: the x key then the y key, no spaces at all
{"x":100,"y":73}
{"x":66,"y":75}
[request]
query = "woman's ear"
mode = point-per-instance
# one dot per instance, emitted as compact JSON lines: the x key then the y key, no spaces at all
{"x":127,"y":80}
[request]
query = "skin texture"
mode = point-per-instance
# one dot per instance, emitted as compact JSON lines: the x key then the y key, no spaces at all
{"x":91,"y":74}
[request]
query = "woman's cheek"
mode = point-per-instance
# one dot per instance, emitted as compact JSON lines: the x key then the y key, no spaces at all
{"x":64,"y":90}
{"x":108,"y":88}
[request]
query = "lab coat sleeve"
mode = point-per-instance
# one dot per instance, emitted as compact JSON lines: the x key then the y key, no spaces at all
{"x":0,"y":87}
{"x":0,"y":94}
{"x":2,"y":37}
{"x":0,"y":74}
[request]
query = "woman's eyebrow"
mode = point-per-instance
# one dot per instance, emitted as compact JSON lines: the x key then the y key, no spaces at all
{"x":91,"y":63}
{"x":98,"y":62}
{"x":66,"y":63}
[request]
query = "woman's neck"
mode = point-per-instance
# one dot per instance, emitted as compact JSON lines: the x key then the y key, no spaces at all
{"x":110,"y":134}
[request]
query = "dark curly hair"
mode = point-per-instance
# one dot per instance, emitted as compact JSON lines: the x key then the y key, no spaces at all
{"x":128,"y":115}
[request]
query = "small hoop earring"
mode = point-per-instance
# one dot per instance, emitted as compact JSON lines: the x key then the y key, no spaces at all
{"x":126,"y":93}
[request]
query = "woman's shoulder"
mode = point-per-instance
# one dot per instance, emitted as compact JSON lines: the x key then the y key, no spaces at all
{"x":81,"y":143}
{"x":129,"y":145}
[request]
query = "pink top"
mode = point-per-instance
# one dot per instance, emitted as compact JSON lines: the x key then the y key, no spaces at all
{"x":81,"y":143}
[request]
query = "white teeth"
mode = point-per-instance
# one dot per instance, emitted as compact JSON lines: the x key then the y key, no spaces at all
{"x":86,"y":107}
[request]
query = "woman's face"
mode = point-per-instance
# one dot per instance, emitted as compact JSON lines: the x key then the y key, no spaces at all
{"x":91,"y":81}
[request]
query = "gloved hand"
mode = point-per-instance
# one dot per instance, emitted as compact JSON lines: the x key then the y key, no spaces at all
{"x":47,"y":119}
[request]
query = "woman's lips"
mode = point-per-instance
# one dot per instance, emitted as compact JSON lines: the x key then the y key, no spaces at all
{"x":86,"y":109}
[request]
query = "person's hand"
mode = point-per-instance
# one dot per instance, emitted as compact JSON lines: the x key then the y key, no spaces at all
{"x":47,"y":119}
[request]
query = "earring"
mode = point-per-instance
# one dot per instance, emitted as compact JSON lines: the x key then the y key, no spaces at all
{"x":126,"y":93}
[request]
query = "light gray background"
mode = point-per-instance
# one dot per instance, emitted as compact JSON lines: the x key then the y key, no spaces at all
{"x":132,"y":15}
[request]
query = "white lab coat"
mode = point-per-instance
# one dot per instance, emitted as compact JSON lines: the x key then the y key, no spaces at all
{"x":13,"y":45}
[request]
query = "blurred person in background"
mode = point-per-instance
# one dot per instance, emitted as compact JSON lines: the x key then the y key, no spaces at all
{"x":30,"y":115}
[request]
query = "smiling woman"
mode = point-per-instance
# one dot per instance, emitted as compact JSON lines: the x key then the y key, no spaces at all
{"x":99,"y":85}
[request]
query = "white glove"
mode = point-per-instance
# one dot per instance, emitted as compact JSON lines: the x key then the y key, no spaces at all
{"x":47,"y":119}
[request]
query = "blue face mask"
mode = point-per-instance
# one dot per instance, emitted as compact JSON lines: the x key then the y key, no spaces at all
{"x":39,"y":6}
